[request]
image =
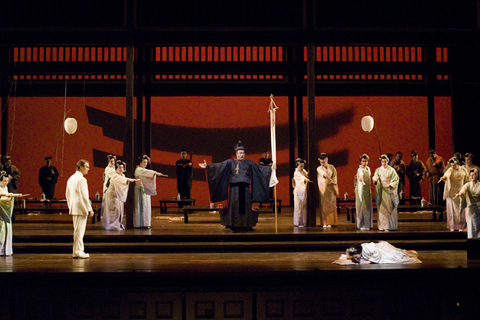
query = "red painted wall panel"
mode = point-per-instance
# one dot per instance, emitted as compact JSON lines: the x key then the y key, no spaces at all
{"x":209,"y":127}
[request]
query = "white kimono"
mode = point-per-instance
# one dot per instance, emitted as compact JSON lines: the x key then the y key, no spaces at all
{"x":454,"y":181}
{"x":386,"y":197}
{"x":144,"y":189}
{"x":300,"y":198}
{"x":6,"y":210}
{"x":363,"y":198}
{"x":115,"y":198}
{"x":384,"y":252}
{"x":471,"y":200}
{"x":328,"y":191}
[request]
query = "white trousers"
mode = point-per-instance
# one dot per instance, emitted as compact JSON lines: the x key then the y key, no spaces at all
{"x":79,"y":226}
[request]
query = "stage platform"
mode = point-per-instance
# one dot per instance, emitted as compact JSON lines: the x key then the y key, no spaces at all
{"x":200,"y":270}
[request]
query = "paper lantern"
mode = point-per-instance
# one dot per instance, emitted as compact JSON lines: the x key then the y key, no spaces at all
{"x":367,"y":123}
{"x":70,"y":125}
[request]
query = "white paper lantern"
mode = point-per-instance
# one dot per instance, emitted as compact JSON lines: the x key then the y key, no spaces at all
{"x":70,"y":125}
{"x":367,"y":123}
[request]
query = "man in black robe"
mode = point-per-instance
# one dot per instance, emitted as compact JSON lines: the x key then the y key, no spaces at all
{"x":241,"y":182}
{"x":266,"y":161}
{"x":184,"y":176}
{"x":414,"y":172}
{"x":13,"y":174}
{"x":47,"y":178}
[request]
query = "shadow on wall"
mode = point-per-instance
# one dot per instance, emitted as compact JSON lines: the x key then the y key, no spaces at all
{"x":217,"y":142}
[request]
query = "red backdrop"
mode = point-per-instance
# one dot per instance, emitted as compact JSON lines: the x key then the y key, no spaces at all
{"x":209,"y":127}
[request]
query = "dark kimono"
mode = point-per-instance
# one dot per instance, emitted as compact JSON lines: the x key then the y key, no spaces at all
{"x":184,"y":178}
{"x":415,"y":175}
{"x":47,"y":178}
{"x":241,"y":182}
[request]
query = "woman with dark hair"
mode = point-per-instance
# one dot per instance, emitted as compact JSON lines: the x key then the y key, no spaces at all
{"x":455,"y":178}
{"x":386,"y":181}
{"x":6,"y":212}
{"x":109,"y":170}
{"x":328,"y":191}
{"x":378,"y":252}
{"x":144,"y":189}
{"x":299,"y":183}
{"x":470,"y":193}
{"x":363,"y":195}
{"x":115,"y":197}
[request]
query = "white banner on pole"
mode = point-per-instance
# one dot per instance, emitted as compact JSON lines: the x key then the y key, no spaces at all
{"x":272,"y":109}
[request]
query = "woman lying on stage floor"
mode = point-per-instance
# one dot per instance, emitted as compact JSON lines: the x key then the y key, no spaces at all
{"x":380,"y":252}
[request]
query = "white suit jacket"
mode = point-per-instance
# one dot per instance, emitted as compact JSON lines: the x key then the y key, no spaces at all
{"x":78,"y":200}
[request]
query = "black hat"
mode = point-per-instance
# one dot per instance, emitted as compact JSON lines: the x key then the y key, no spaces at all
{"x":414,"y":153}
{"x":239,"y":146}
{"x":183,"y":151}
{"x":6,"y":158}
{"x":47,"y":158}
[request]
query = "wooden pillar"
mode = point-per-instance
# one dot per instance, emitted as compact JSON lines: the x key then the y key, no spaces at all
{"x":148,"y":107}
{"x":311,"y":132}
{"x":431,"y":58}
{"x":139,"y":127}
{"x":291,"y":118}
{"x":129,"y":125}
{"x":4,"y":95}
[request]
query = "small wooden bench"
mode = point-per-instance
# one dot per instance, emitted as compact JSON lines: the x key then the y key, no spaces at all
{"x":192,"y":209}
{"x":403,"y":208}
{"x":272,"y":203}
{"x":17,"y":210}
{"x":181,"y":202}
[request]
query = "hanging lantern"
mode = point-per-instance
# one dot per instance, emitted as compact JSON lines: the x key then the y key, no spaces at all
{"x":367,"y":123}
{"x":70,"y":125}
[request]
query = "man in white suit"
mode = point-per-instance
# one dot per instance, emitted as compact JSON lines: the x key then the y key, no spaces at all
{"x":79,"y":206}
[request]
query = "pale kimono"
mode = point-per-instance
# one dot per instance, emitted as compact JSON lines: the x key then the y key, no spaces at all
{"x":6,"y":211}
{"x":115,"y":198}
{"x":386,"y":197}
{"x":144,"y":189}
{"x":328,"y":190}
{"x":471,"y":199}
{"x":384,"y":252}
{"x":455,"y":179}
{"x":363,"y":198}
{"x":106,"y":176}
{"x":300,"y":178}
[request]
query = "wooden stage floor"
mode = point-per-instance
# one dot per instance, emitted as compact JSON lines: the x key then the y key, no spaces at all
{"x":413,"y":227}
{"x":200,"y":270}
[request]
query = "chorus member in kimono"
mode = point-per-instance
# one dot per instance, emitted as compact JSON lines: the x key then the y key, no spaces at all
{"x":434,"y":169}
{"x":242,"y":182}
{"x":13,"y":174}
{"x":184,"y":175}
{"x":144,"y":189}
{"x":79,"y":206}
{"x":363,"y":195}
{"x":6,"y":212}
{"x":47,"y":178}
{"x":399,"y":165}
{"x":115,"y":197}
{"x":300,"y":181}
{"x":469,"y":162}
{"x":455,"y":178}
{"x":381,"y":252}
{"x":109,"y":170}
{"x":414,"y":171}
{"x":386,"y":196}
{"x":470,"y":193}
{"x":328,"y":189}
